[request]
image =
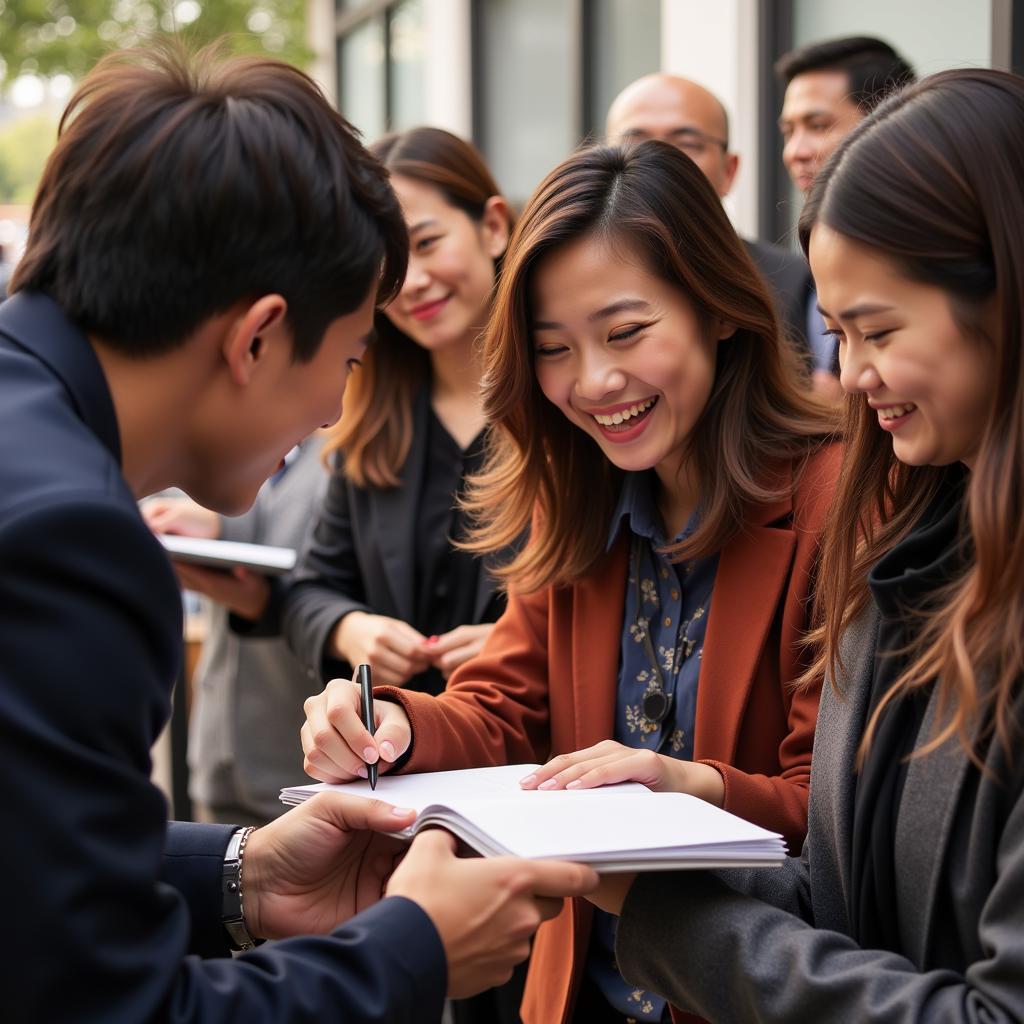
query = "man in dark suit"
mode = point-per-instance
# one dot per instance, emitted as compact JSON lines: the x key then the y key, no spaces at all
{"x":685,"y":114}
{"x":206,"y":250}
{"x":830,"y":88}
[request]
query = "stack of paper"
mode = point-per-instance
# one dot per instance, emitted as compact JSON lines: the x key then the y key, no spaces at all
{"x":615,"y":828}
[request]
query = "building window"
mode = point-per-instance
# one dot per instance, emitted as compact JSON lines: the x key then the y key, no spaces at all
{"x":622,"y":43}
{"x":544,"y":72}
{"x":406,"y":64}
{"x":380,"y":56}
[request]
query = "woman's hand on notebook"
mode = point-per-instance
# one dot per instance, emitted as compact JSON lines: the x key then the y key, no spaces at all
{"x":336,"y":744}
{"x":607,"y":763}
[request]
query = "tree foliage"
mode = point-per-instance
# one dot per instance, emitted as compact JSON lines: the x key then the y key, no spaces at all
{"x":52,"y":38}
{"x":66,"y":37}
{"x":24,"y":146}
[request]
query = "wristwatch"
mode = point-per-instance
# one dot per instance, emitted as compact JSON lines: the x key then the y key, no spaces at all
{"x":231,"y":915}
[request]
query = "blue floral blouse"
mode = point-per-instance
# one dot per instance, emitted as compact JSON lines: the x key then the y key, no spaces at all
{"x":663,"y":629}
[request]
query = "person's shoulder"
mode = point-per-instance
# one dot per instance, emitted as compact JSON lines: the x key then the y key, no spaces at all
{"x":774,"y":256}
{"x":48,"y":455}
{"x":63,"y":498}
{"x":89,"y":541}
{"x":775,"y":259}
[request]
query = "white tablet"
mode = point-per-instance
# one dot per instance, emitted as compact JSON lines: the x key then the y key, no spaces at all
{"x":226,"y":554}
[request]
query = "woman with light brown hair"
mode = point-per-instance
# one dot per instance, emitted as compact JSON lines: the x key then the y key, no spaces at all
{"x":649,"y":430}
{"x":382,"y":581}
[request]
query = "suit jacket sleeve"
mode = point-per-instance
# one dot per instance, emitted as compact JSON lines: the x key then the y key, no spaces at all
{"x":495,"y":707}
{"x":329,"y":583}
{"x":721,"y":952}
{"x":106,"y":907}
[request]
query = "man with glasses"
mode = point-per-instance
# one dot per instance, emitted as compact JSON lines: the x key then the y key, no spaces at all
{"x":684,"y":114}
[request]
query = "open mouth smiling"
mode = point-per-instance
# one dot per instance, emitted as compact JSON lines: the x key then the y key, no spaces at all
{"x":625,"y":418}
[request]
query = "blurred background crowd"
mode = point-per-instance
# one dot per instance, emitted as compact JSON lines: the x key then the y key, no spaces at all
{"x":526,"y":80}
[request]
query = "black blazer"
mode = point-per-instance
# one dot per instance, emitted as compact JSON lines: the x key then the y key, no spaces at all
{"x":361,"y":557}
{"x":113,"y":915}
{"x":789,"y":279}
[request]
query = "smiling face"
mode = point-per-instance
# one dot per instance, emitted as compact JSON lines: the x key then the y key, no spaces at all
{"x":447,"y":289}
{"x":621,"y":353}
{"x":817,"y":114}
{"x":901,"y":348}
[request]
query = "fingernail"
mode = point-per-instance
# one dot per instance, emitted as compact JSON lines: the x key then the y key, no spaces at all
{"x":549,"y":784}
{"x":528,"y":781}
{"x":575,"y":784}
{"x":370,"y":754}
{"x":387,"y":750}
{"x":433,"y":639}
{"x":362,"y":772}
{"x":402,"y":812}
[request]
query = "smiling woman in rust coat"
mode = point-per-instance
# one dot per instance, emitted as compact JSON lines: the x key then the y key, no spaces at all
{"x":647,"y":426}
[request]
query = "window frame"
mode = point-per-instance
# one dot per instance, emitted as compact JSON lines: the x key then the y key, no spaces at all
{"x":346,"y":21}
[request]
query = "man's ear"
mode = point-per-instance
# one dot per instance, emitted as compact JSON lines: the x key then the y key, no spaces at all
{"x":495,"y":226}
{"x":732,"y":165}
{"x":246,"y":342}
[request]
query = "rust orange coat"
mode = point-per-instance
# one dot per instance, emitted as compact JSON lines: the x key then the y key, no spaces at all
{"x":546,"y":681}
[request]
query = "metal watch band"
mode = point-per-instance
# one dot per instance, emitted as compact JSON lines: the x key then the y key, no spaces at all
{"x":232,"y":914}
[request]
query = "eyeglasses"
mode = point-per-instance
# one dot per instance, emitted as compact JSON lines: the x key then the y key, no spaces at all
{"x":692,"y":141}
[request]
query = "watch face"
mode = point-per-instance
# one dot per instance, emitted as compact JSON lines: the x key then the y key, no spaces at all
{"x":655,"y":706}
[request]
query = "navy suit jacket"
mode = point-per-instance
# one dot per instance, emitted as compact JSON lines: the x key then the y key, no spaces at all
{"x":111,"y":914}
{"x":789,"y":278}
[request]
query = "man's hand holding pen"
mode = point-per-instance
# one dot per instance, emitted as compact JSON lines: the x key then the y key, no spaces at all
{"x":338,"y":743}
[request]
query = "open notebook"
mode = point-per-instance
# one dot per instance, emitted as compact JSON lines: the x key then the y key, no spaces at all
{"x":226,"y":554}
{"x":616,"y":828}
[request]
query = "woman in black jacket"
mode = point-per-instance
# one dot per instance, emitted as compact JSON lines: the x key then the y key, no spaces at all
{"x":382,"y":582}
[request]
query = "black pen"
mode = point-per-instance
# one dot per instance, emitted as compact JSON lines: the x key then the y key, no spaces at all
{"x":366,"y":705}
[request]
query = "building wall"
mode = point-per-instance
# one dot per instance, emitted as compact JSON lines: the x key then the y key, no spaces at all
{"x":715,"y":43}
{"x":932,"y":36}
{"x":529,"y":79}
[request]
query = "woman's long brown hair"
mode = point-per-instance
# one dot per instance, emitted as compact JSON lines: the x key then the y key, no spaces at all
{"x":932,"y":181}
{"x":653,"y":204}
{"x":375,"y":431}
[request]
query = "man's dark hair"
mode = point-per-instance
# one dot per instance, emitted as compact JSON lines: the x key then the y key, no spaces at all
{"x":873,"y":68}
{"x":181,"y":184}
